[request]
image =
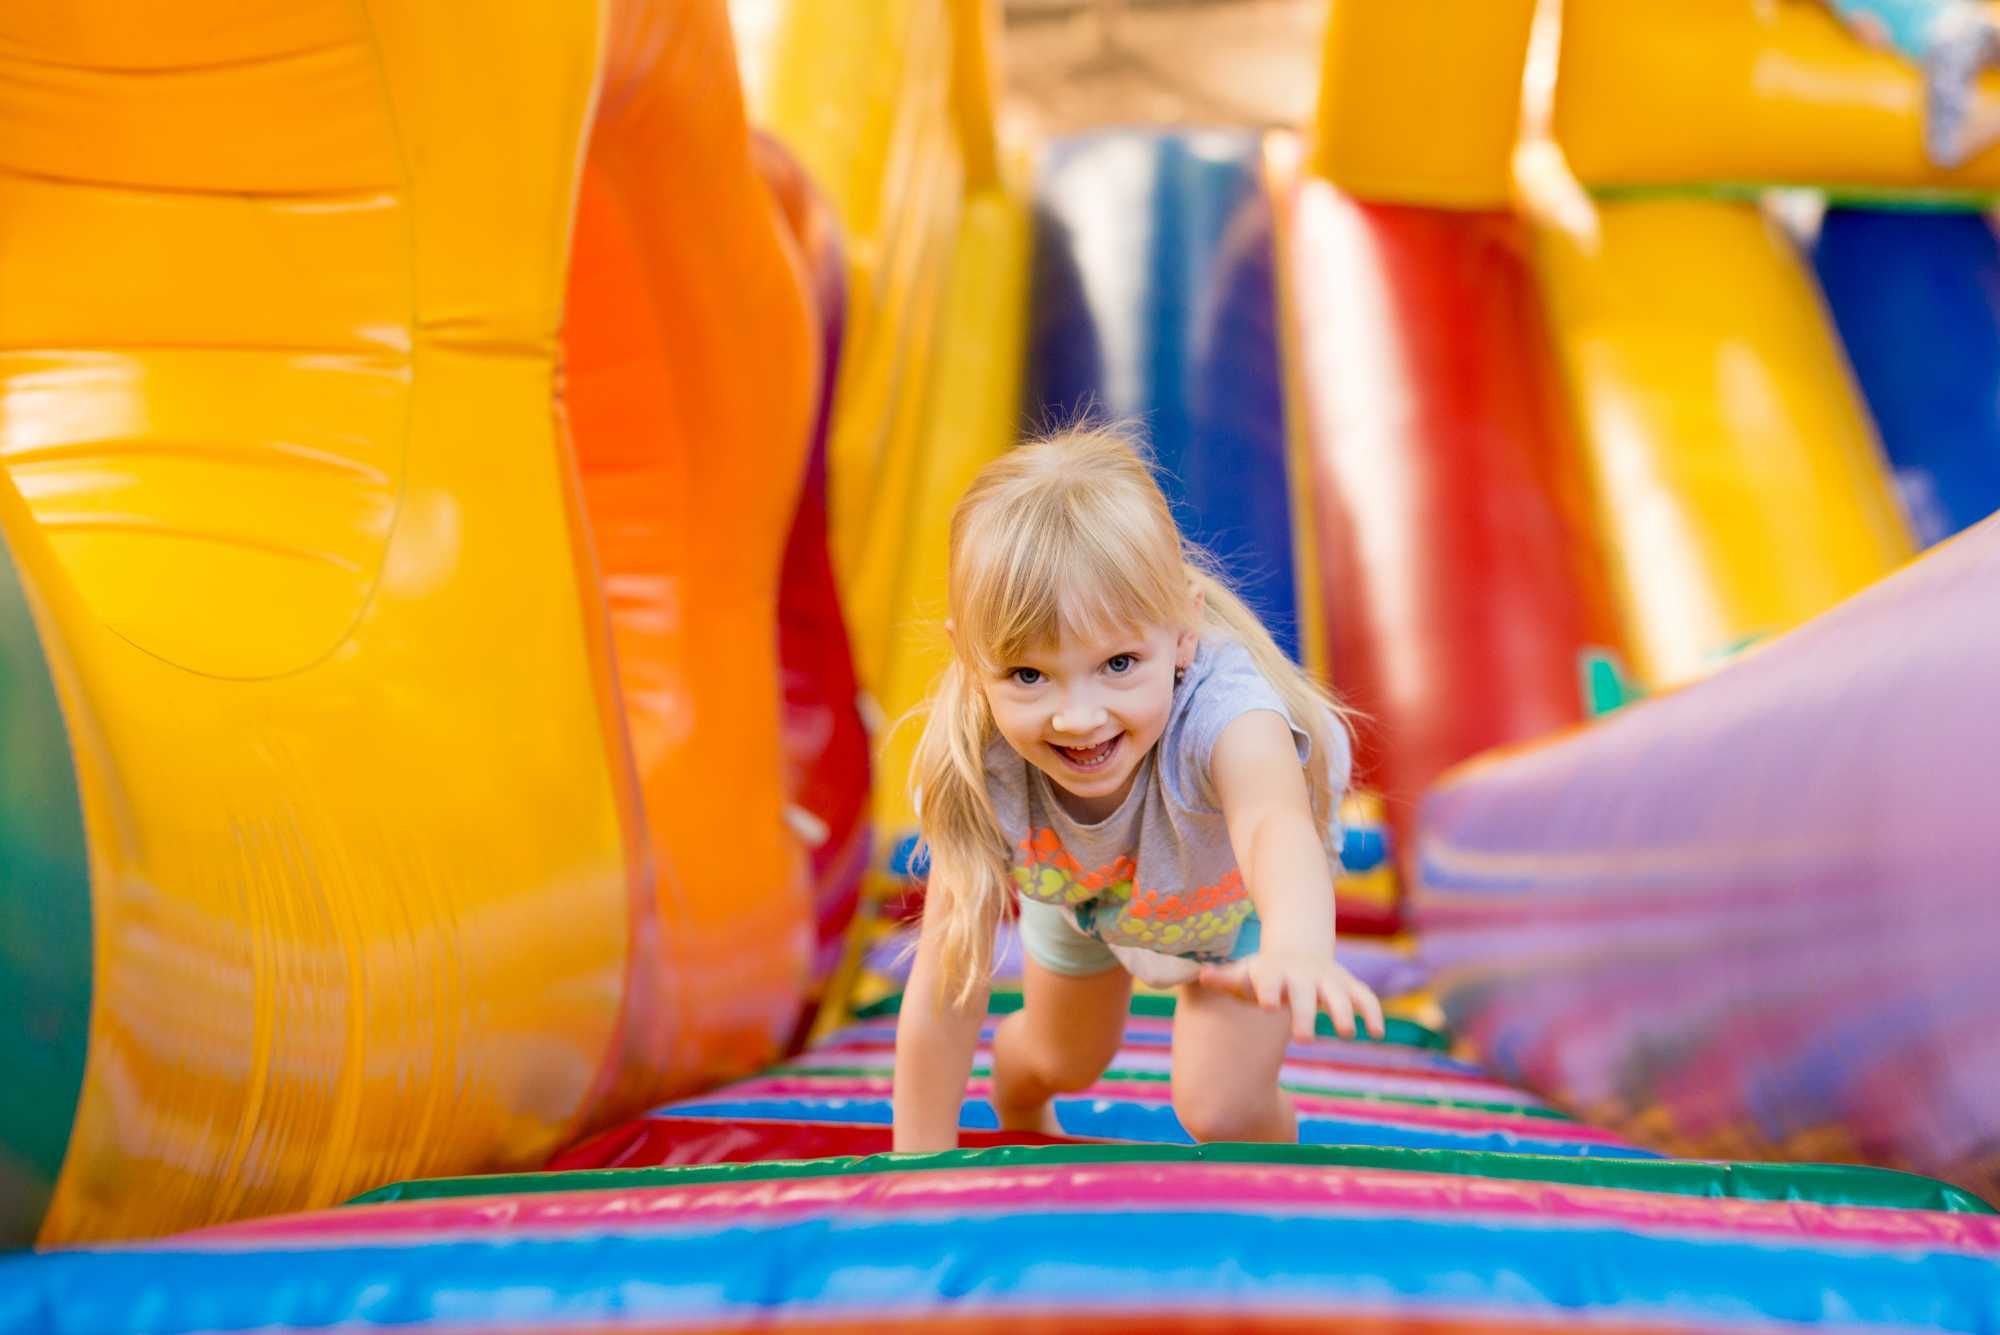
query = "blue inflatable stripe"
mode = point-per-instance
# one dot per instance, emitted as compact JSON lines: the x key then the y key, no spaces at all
{"x":1151,"y":1123}
{"x":886,"y":1268}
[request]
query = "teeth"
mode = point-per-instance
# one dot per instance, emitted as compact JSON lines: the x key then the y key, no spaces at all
{"x":1088,"y":755}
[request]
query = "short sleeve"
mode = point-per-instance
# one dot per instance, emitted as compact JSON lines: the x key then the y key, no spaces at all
{"x":1340,"y":757}
{"x":1222,"y":685}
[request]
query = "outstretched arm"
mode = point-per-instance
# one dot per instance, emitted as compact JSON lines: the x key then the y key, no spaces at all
{"x":1256,"y":774}
{"x":936,"y":1037}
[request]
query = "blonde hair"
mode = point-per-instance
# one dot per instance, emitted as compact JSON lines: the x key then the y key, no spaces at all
{"x":1066,"y":536}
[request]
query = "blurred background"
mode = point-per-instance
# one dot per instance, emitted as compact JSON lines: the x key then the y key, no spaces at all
{"x":1081,"y":64}
{"x":473,"y":499}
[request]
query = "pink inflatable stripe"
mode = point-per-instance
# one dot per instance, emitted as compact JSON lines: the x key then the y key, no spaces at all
{"x":1449,"y":1083}
{"x":1370,"y":1056}
{"x":1151,"y":1091}
{"x":1264,"y":1188}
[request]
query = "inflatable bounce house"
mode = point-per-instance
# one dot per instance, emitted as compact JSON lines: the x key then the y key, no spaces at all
{"x":472,"y":496}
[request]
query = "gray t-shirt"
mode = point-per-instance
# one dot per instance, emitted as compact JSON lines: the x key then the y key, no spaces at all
{"x":1158,"y":873}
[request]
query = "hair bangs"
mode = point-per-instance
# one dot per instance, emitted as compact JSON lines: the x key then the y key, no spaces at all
{"x":1064,"y":569}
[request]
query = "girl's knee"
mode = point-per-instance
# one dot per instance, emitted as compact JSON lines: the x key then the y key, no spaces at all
{"x":1210,"y":1115}
{"x":1071,"y":1072}
{"x":1062,"y":1065}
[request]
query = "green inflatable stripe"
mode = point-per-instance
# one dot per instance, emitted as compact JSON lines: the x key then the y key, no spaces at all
{"x":45,"y":946}
{"x":1913,"y":199}
{"x":1160,"y":1077}
{"x":1402,"y":1033}
{"x":1821,"y":1184}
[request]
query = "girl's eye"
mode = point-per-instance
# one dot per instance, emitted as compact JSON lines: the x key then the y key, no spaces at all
{"x":1026,"y":676}
{"x":1119,"y":664}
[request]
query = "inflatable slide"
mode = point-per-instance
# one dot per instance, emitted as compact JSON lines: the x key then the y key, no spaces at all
{"x":472,"y":494}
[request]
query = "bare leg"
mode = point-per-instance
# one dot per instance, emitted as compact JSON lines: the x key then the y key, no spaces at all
{"x":1067,"y":1031}
{"x":1226,"y":1058}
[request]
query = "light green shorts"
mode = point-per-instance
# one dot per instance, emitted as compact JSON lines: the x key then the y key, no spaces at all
{"x":1052,"y":938}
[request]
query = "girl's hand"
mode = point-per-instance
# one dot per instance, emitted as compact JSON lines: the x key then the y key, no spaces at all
{"x":1308,"y":983}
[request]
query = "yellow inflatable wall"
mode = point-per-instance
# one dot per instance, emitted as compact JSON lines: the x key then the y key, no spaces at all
{"x":691,"y":374}
{"x":972,"y":403}
{"x":1419,"y":103}
{"x":891,"y":104}
{"x":1740,"y":488}
{"x":969,"y":420}
{"x":286,"y":486}
{"x":861,"y":94}
{"x":1742,"y":94}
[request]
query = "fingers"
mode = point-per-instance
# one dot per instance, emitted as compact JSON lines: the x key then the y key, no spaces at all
{"x":1262,"y":987}
{"x":1333,"y":996}
{"x":1305,"y":1008}
{"x":1226,"y":978}
{"x":1371,"y":1009}
{"x":1350,"y":1003}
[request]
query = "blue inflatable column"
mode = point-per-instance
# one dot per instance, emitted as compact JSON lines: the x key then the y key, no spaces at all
{"x":1154,"y":303}
{"x":1917,"y":299}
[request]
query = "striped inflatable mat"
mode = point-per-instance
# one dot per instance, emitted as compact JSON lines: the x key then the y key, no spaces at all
{"x":1438,"y":1199}
{"x":1406,"y":1092}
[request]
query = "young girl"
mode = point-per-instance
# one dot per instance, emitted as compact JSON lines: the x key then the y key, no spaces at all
{"x":1119,"y":744}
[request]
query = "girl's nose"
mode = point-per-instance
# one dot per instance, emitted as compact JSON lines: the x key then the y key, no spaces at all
{"x":1078,"y":717}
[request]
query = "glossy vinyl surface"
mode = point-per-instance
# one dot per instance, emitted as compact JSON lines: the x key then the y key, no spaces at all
{"x":1826,"y":1184}
{"x":1153,"y":304}
{"x":45,"y":921}
{"x":1738,"y":486}
{"x":1916,"y":297}
{"x":1724,"y":94}
{"x":1420,"y":104}
{"x":692,"y":359}
{"x":889,"y":107}
{"x":1755,"y":916}
{"x":1282,"y":1236}
{"x":722,"y":1140}
{"x":1457,"y":568}
{"x":826,"y":742}
{"x":1406,"y":1093}
{"x":280,"y":325}
{"x":861,"y":95}
{"x":970,"y":418}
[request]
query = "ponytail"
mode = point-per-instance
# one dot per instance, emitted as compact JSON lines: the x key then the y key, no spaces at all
{"x":969,"y":888}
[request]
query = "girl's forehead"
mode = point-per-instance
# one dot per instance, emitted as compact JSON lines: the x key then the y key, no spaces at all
{"x":1098,"y":641}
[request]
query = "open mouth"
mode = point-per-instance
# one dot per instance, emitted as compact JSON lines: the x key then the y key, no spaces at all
{"x":1088,"y":758}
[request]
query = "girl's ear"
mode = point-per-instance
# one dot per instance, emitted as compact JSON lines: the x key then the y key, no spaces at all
{"x":1190,"y":636}
{"x":951,"y":634}
{"x":1184,"y":647}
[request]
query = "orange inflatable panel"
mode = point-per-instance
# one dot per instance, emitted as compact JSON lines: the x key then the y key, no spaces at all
{"x":692,"y":371}
{"x":826,"y":739}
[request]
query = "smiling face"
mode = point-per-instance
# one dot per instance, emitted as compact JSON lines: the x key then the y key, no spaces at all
{"x":1070,"y":600}
{"x":1086,"y":709}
